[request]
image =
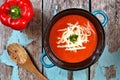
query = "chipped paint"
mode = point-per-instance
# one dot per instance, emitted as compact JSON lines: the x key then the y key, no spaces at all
{"x":70,"y":75}
{"x":55,"y":10}
{"x":110,"y":72}
{"x":113,"y":28}
{"x":92,"y":73}
{"x":17,"y":37}
{"x":106,"y":60}
{"x":80,"y":75}
{"x":6,"y":60}
{"x":55,"y":73}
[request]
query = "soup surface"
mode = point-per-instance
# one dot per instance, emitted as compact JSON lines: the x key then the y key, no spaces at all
{"x":73,"y":38}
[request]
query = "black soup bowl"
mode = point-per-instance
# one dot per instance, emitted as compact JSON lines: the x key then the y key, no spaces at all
{"x":97,"y":51}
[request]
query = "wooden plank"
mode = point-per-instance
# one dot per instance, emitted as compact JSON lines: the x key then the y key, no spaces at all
{"x":5,"y":71}
{"x":108,"y":66}
{"x":33,"y":31}
{"x":50,"y":8}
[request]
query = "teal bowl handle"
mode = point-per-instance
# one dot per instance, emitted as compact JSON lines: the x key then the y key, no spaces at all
{"x":43,"y":62}
{"x":104,"y":16}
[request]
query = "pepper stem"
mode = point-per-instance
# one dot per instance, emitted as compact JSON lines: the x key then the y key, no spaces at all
{"x":15,"y":12}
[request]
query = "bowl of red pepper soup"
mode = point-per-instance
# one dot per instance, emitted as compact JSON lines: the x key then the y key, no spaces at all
{"x":74,"y":39}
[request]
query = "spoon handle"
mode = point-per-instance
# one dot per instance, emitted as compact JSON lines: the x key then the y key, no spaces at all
{"x":30,"y":67}
{"x":20,"y":56}
{"x":40,"y":76}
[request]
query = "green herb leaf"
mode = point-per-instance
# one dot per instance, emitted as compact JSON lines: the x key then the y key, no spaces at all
{"x":73,"y":38}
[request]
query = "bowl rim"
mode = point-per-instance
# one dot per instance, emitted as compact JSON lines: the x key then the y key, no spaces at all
{"x":83,"y":64}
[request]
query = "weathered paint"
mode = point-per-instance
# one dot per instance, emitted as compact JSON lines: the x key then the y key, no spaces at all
{"x":106,"y":60}
{"x":80,"y":75}
{"x":112,"y":9}
{"x":110,"y":72}
{"x":56,"y":9}
{"x":55,"y":73}
{"x":6,"y":60}
{"x":17,"y":37}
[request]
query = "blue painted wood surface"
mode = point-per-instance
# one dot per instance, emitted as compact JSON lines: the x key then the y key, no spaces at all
{"x":54,"y":7}
{"x":108,"y":66}
{"x":106,"y":60}
{"x":16,"y":37}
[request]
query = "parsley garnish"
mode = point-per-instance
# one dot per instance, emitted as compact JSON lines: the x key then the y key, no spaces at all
{"x":73,"y":38}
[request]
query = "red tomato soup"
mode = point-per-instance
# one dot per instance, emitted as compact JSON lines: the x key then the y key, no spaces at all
{"x":78,"y":55}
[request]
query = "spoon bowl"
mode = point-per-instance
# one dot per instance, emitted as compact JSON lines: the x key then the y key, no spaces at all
{"x":18,"y":54}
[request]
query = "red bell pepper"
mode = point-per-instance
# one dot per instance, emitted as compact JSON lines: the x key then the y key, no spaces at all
{"x":16,"y":13}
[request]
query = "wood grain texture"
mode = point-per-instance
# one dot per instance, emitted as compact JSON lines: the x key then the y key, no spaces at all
{"x":3,"y":39}
{"x":33,"y":31}
{"x":107,"y":68}
{"x":112,"y":9}
{"x":110,"y":72}
{"x":50,"y":8}
{"x":19,"y":55}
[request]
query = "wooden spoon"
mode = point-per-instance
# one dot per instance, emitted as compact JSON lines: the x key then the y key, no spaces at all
{"x":20,"y":56}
